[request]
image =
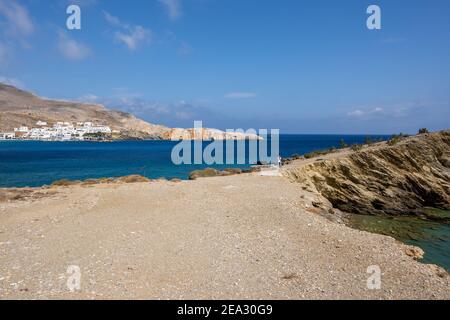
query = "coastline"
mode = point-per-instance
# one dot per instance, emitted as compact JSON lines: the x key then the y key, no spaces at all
{"x":241,"y":237}
{"x":257,"y":234}
{"x":34,"y":163}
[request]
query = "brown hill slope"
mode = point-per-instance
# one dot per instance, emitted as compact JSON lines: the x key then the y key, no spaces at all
{"x":18,"y":107}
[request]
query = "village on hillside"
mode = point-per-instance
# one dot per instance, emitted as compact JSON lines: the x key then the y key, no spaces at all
{"x":60,"y":131}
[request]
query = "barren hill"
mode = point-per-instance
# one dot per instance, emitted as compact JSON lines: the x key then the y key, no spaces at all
{"x":18,"y":107}
{"x":22,"y":108}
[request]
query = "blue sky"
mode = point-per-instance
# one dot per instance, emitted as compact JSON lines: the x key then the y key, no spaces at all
{"x":300,"y":66}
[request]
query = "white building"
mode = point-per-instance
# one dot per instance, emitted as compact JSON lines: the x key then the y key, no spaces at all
{"x":62,"y":131}
{"x":99,"y":129}
{"x":22,"y":129}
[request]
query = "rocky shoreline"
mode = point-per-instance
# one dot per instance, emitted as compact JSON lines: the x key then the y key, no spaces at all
{"x":379,"y":179}
{"x":402,"y":182}
{"x":384,"y":178}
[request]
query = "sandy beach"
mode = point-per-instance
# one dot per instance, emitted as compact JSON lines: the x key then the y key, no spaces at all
{"x":248,"y":236}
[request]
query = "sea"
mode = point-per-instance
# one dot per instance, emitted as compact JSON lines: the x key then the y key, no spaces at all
{"x":39,"y":163}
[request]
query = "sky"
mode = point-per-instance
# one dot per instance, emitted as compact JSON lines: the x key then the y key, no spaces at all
{"x":301,"y":66}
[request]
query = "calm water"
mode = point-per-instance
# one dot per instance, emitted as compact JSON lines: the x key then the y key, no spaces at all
{"x":35,"y":163}
{"x":432,"y":237}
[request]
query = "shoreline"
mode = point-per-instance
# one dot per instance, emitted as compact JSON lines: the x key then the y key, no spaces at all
{"x":289,"y":163}
{"x":337,"y":216}
{"x":256,"y":235}
{"x":298,"y":225}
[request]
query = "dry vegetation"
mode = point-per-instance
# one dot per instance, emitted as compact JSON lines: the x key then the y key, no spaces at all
{"x":9,"y":195}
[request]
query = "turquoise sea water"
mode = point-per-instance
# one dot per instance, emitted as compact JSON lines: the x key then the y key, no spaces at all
{"x":432,"y":237}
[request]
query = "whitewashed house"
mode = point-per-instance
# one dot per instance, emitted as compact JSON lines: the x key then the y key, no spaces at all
{"x":61,"y":131}
{"x":22,"y":129}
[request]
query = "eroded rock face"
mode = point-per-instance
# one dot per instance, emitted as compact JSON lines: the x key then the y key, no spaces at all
{"x":206,"y":134}
{"x":393,"y":180}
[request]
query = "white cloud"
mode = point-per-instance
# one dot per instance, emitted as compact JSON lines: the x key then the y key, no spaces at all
{"x":356,"y":113}
{"x":173,"y":114}
{"x":18,"y":21}
{"x":173,"y":8}
{"x":131,"y":36}
{"x":72,"y":49}
{"x":240,"y":95}
{"x":112,"y":20}
{"x":15,"y":28}
{"x":89,"y":98}
{"x":361,"y":113}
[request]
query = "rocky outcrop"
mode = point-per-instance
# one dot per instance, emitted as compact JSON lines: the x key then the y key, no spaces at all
{"x":207,"y":134}
{"x":385,"y":179}
{"x":210,"y":172}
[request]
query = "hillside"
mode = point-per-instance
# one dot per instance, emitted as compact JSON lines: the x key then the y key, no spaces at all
{"x":22,"y":108}
{"x":18,"y":107}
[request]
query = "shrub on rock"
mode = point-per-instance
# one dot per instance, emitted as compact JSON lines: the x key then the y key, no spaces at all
{"x":133,"y":179}
{"x":233,"y":170}
{"x":208,"y":172}
{"x":65,"y":183}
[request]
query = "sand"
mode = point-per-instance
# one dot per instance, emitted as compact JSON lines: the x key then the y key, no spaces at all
{"x":238,"y":237}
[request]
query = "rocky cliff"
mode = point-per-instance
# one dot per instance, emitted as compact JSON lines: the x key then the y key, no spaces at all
{"x":384,"y":179}
{"x":207,"y":134}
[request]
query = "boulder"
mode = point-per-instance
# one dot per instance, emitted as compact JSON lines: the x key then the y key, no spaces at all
{"x":414,"y":252}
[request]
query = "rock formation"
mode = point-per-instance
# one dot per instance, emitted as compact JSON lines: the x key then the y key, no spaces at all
{"x":397,"y":179}
{"x":207,"y":135}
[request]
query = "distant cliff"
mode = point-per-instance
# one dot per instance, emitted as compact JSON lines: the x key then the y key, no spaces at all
{"x":383,"y":179}
{"x":22,"y":108}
